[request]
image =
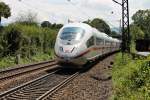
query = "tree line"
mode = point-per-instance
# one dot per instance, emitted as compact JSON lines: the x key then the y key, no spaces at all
{"x":26,"y":40}
{"x":140,"y":28}
{"x":26,"y":37}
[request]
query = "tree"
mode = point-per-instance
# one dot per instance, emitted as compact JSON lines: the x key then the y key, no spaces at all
{"x":87,"y":22}
{"x":10,"y":41}
{"x":99,"y":24}
{"x":114,"y":34}
{"x":29,"y":18}
{"x":142,"y":19}
{"x":4,"y":11}
{"x":14,"y":38}
{"x":45,"y":24}
{"x":136,"y":32}
{"x":58,"y":26}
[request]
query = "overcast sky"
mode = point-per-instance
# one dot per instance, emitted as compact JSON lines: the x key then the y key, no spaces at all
{"x":60,"y":11}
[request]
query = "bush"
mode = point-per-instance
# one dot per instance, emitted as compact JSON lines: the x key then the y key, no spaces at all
{"x":24,"y":43}
{"x":26,"y":40}
{"x":131,"y":80}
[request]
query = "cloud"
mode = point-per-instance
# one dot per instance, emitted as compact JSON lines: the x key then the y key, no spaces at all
{"x":60,"y":11}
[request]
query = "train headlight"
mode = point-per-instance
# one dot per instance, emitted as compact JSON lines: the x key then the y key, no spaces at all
{"x":61,"y":49}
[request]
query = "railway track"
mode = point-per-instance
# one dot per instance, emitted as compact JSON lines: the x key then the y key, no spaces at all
{"x":41,"y":88}
{"x":14,"y":72}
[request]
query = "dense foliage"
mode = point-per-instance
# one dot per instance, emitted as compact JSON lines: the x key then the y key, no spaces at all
{"x":4,"y":11}
{"x":50,"y":25}
{"x":26,"y":41}
{"x":136,"y":32}
{"x":114,"y":34}
{"x":99,"y":24}
{"x":142,"y":20}
{"x":131,"y":78}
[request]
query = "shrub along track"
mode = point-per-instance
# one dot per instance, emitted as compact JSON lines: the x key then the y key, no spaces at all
{"x":42,"y":87}
{"x":12,"y":77}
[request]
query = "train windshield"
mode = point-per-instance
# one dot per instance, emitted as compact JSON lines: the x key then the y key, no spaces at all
{"x":72,"y":33}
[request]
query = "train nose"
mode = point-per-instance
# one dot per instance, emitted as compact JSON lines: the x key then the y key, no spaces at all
{"x":67,"y":49}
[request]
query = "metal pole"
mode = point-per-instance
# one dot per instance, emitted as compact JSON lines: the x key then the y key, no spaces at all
{"x":123,"y":35}
{"x":129,"y":37}
{"x":125,"y":26}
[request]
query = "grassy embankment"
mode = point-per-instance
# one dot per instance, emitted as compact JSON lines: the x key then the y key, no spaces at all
{"x":131,"y":78}
{"x":29,"y":43}
{"x":9,"y":61}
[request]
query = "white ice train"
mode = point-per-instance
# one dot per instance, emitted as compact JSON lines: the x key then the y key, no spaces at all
{"x":78,"y":43}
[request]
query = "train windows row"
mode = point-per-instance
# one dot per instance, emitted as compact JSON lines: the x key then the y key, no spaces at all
{"x":94,"y":41}
{"x":99,"y":41}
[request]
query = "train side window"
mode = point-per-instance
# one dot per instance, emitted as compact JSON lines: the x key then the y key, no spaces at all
{"x":107,"y":42}
{"x":90,"y":42}
{"x":99,"y":41}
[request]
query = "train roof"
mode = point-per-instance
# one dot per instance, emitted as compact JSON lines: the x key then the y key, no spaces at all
{"x":104,"y":36}
{"x":89,"y":28}
{"x":77,"y":24}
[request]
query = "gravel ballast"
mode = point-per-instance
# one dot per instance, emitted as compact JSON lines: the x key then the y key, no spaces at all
{"x":95,"y":84}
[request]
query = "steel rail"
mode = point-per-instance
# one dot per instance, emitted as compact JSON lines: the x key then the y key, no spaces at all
{"x":41,"y":87}
{"x":57,"y":87}
{"x":23,"y":66}
{"x":23,"y":70}
{"x":23,"y":85}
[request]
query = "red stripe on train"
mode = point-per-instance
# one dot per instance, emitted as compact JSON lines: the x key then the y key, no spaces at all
{"x":85,"y":52}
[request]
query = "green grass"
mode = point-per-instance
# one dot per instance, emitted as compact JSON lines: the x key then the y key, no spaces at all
{"x":9,"y":61}
{"x":131,"y":78}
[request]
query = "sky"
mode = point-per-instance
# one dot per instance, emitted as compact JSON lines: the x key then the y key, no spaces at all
{"x":59,"y":11}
